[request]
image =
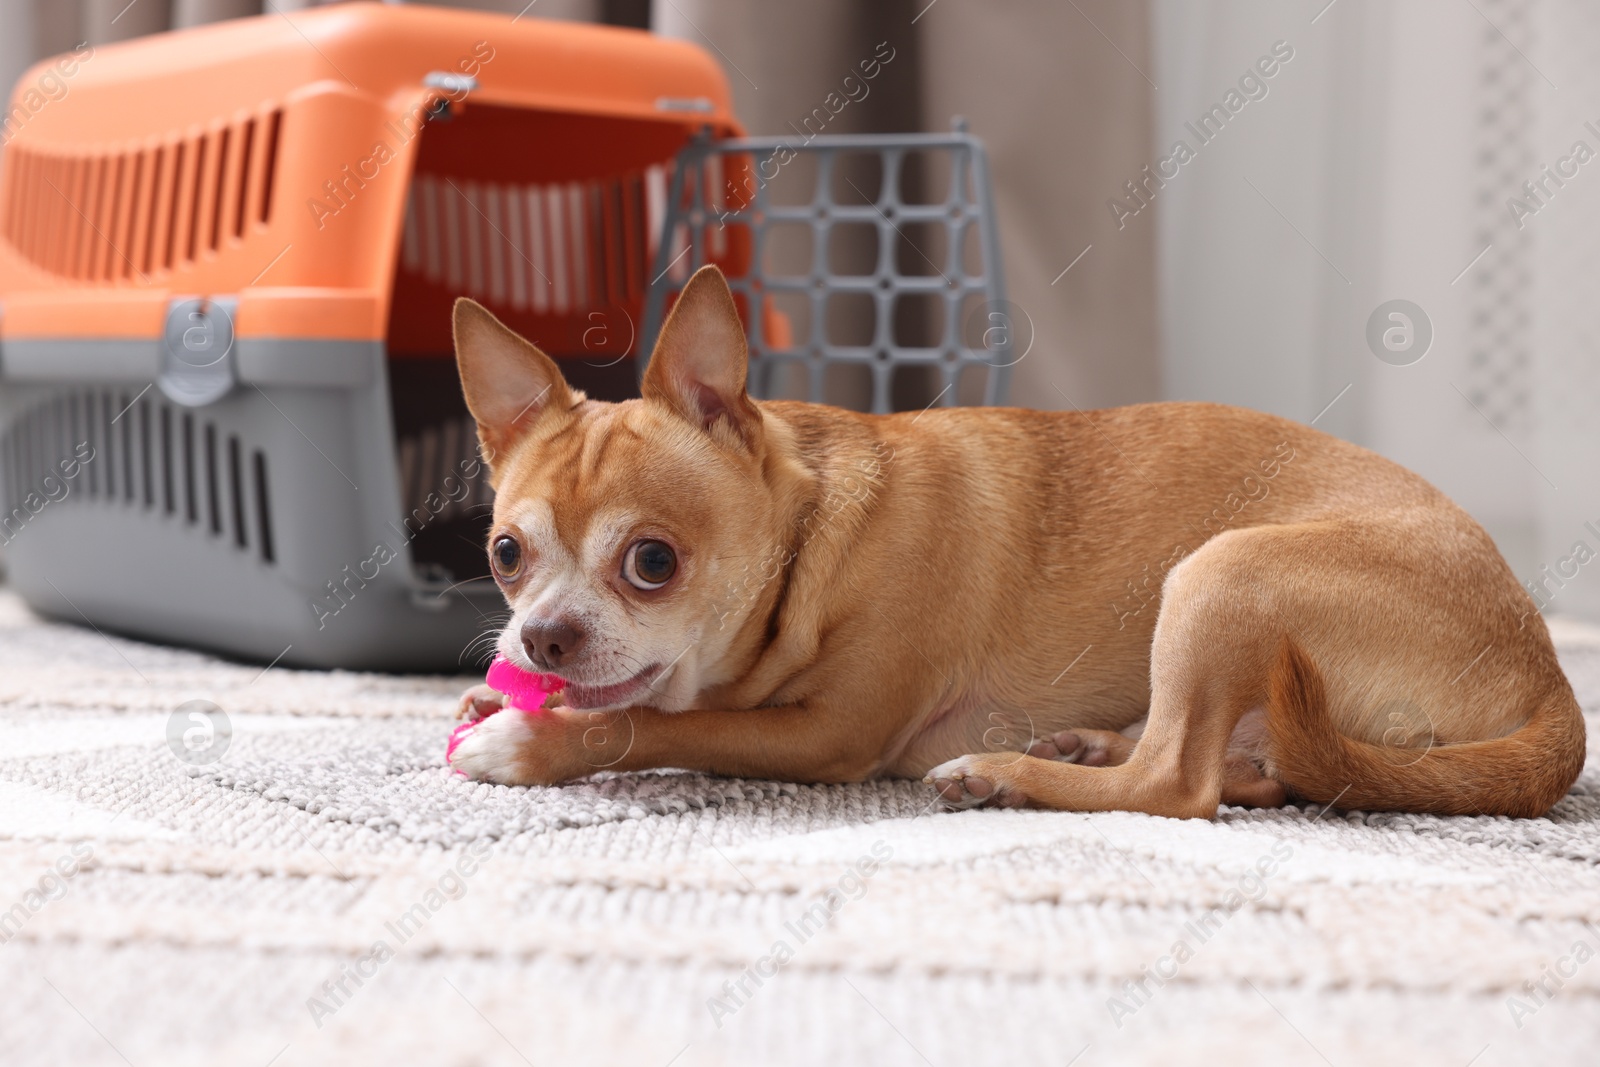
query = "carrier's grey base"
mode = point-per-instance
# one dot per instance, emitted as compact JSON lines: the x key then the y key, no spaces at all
{"x":234,"y":550}
{"x":380,"y":630}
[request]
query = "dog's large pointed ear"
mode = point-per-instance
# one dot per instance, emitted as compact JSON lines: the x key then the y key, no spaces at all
{"x":507,"y":381}
{"x":699,"y":366}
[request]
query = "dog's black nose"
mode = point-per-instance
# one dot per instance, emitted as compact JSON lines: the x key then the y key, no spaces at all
{"x":551,"y":643}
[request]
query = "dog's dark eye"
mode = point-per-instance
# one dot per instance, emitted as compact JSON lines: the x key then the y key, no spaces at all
{"x":649,"y":564}
{"x":507,"y":557}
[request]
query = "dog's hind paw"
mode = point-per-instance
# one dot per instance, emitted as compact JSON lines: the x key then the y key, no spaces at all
{"x":971,"y":782}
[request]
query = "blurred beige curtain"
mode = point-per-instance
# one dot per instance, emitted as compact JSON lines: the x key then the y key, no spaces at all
{"x":1059,"y":94}
{"x":199,"y":12}
{"x":32,"y":29}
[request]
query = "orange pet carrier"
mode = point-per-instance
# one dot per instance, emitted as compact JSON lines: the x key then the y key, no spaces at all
{"x":229,"y":412}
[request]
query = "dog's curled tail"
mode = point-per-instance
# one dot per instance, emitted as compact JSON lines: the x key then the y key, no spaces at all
{"x":1521,"y":774}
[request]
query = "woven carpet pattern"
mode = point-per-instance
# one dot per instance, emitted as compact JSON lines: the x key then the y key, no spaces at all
{"x":328,"y":892}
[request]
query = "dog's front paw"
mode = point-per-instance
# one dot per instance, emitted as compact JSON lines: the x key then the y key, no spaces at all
{"x":480,"y":702}
{"x":977,"y":781}
{"x":516,"y":747}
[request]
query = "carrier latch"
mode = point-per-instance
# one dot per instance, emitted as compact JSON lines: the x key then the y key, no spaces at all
{"x":197,"y":361}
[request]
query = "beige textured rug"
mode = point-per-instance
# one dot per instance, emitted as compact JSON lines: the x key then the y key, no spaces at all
{"x":328,"y":893}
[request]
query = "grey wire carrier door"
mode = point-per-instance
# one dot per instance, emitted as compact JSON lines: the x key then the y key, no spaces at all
{"x":938,"y":260}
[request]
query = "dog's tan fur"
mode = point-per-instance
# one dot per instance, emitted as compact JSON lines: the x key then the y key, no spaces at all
{"x":942,"y":593}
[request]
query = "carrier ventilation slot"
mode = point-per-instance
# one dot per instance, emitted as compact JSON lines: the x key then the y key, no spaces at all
{"x":225,"y":163}
{"x":263,"y":506}
{"x":553,"y":249}
{"x":109,"y":216}
{"x":236,"y":492}
{"x":139,"y":455}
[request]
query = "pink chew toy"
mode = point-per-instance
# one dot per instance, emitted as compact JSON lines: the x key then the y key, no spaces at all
{"x":524,"y":690}
{"x":528,"y":691}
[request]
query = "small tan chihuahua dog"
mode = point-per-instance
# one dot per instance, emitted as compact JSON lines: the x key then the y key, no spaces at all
{"x":1156,"y":608}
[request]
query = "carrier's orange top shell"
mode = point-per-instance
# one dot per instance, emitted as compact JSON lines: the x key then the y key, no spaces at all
{"x":271,"y":157}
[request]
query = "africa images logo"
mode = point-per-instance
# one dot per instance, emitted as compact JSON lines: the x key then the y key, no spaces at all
{"x":1399,"y":332}
{"x":199,"y":732}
